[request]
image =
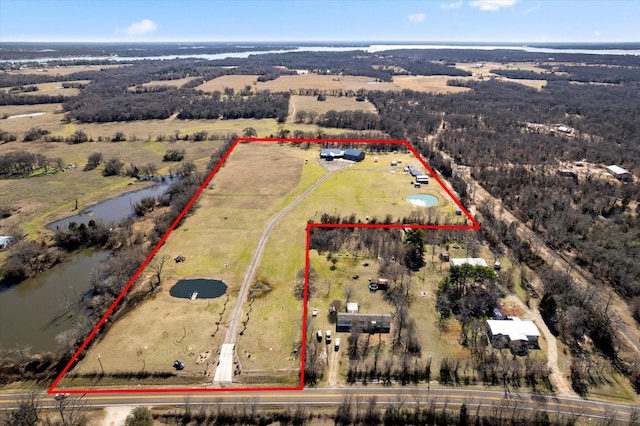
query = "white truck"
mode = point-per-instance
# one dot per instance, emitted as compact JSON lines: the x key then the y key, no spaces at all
{"x":336,"y":345}
{"x":328,"y":336}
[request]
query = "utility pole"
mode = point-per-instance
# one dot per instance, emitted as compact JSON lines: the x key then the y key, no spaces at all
{"x":99,"y":358}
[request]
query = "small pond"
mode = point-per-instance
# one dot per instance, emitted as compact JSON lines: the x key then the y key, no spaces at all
{"x":423,"y":200}
{"x":206,"y":288}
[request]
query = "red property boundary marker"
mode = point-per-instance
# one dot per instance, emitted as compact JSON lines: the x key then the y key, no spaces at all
{"x":52,"y":389}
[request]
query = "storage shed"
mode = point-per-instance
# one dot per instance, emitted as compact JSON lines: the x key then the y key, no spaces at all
{"x":353,"y":155}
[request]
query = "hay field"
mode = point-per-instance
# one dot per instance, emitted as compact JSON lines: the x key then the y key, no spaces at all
{"x":235,"y":82}
{"x":355,"y":83}
{"x":64,"y":70}
{"x":53,"y":121}
{"x":341,"y":103}
{"x":179,"y":82}
{"x":285,"y":83}
{"x":55,"y":88}
{"x":433,"y":83}
{"x":223,"y":230}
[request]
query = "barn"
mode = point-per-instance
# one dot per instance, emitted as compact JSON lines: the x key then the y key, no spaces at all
{"x":366,"y":323}
{"x":353,"y":155}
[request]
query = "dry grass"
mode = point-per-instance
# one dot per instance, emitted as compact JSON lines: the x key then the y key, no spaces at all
{"x":64,"y":70}
{"x":304,"y":81}
{"x":433,"y":84}
{"x":55,"y":88}
{"x":235,"y":82}
{"x":171,"y":83}
{"x":355,"y":83}
{"x":343,"y":103}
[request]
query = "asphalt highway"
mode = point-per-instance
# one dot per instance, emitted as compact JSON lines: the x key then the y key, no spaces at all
{"x":333,"y":397}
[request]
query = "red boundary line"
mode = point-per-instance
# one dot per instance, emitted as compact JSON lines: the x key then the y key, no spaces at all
{"x":52,"y":388}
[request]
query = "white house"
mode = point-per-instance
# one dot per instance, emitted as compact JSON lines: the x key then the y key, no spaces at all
{"x":512,"y":332}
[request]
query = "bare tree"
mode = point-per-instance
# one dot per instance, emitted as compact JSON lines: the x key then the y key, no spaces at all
{"x":72,"y":410}
{"x":156,"y":268}
{"x":27,"y":411}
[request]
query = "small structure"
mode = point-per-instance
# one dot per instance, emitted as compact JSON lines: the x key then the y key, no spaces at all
{"x":353,"y":155}
{"x":458,"y":211}
{"x":619,"y":173}
{"x":394,"y":163}
{"x":5,"y":240}
{"x":422,"y":179}
{"x":352,"y":307}
{"x":366,"y":323}
{"x":473,"y":261}
{"x":330,"y":153}
{"x":444,"y":256}
{"x":564,"y":129}
{"x":567,"y":173}
{"x":383,"y":283}
{"x":513,"y":333}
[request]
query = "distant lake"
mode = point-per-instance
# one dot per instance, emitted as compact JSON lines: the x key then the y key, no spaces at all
{"x":372,"y":48}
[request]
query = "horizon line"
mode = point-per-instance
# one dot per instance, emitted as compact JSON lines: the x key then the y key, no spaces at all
{"x":515,"y":43}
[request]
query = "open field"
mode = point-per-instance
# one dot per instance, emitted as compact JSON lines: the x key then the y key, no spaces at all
{"x":355,"y":83}
{"x":342,"y":103}
{"x":226,"y":218}
{"x":179,"y":82}
{"x":433,"y":83}
{"x":64,"y":70}
{"x":53,"y":121}
{"x":235,"y":82}
{"x":218,"y":241}
{"x":285,"y":83}
{"x":55,"y":88}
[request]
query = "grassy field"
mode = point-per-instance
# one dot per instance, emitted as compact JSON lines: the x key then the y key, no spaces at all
{"x":53,"y":121}
{"x":235,"y":82}
{"x":434,"y":84}
{"x":179,"y":82}
{"x":311,"y":104}
{"x":55,"y":88}
{"x":64,"y":70}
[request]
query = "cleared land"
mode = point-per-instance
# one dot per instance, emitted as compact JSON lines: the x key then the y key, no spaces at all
{"x":336,"y":103}
{"x":235,"y":82}
{"x":64,"y":70}
{"x":55,"y":88}
{"x":179,"y":82}
{"x":434,"y":84}
{"x":218,"y":241}
{"x":53,"y":121}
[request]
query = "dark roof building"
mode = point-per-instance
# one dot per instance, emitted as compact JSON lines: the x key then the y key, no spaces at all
{"x":353,"y":155}
{"x":366,"y":323}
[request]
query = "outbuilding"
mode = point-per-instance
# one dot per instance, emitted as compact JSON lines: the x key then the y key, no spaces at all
{"x":365,"y":323}
{"x":331,"y":153}
{"x":619,"y":172}
{"x":5,"y":240}
{"x":473,"y":261}
{"x":353,"y":155}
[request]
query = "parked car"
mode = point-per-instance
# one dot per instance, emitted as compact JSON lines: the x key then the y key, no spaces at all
{"x":336,"y":345}
{"x":319,"y":336}
{"x":328,"y":336}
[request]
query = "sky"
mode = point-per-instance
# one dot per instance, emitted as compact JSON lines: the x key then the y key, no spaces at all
{"x":320,"y":20}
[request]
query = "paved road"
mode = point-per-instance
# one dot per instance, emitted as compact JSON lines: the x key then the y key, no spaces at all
{"x":236,"y":313}
{"x":333,"y":397}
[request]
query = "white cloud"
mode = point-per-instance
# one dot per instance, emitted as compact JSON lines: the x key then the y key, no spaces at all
{"x":531,"y":9}
{"x":492,"y":5}
{"x":454,"y":5}
{"x":597,"y":33}
{"x":142,"y":27}
{"x":417,"y":17}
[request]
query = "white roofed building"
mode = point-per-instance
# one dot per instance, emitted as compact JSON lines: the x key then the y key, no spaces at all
{"x":473,"y":261}
{"x":619,"y":172}
{"x":513,"y":333}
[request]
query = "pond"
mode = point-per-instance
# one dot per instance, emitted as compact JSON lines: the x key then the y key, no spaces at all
{"x":33,"y":312}
{"x":423,"y":200}
{"x":202,"y":288}
{"x":112,"y":210}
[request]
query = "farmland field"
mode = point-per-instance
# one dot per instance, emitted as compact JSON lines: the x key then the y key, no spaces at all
{"x":235,"y":82}
{"x":336,"y":103}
